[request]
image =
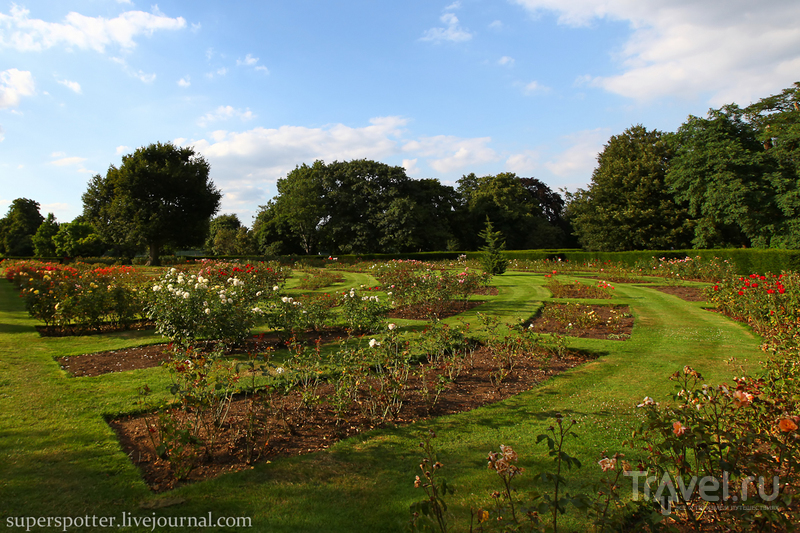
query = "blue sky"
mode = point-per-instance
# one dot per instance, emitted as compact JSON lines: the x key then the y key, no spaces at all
{"x":534,"y":87}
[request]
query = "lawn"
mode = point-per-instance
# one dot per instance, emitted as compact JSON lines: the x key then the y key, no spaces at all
{"x":60,"y":458}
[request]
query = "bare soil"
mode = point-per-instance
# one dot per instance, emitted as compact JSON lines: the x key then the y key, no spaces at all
{"x":137,"y":357}
{"x":282,"y":427}
{"x":690,"y":294}
{"x":612,"y":322}
{"x":271,"y":425}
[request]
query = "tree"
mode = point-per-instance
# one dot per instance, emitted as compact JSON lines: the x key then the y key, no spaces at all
{"x":492,"y":259}
{"x":420,"y":218}
{"x":222,"y":222}
{"x":19,"y":226}
{"x":78,"y":239}
{"x":628,"y":205}
{"x":514,"y":205}
{"x":160,"y":195}
{"x":358,"y":206}
{"x":290,"y":222}
{"x":357,"y":194}
{"x":777,"y":123}
{"x":234,"y":242}
{"x":718,"y":171}
{"x":43,"y":245}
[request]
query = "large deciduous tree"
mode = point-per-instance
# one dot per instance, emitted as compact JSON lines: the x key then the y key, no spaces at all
{"x":19,"y":226}
{"x":160,"y":195}
{"x":43,"y":245}
{"x":777,"y":122}
{"x":358,"y":206}
{"x":357,"y":195}
{"x":524,"y":210}
{"x":720,"y":172}
{"x":628,"y":205}
{"x":78,"y":239}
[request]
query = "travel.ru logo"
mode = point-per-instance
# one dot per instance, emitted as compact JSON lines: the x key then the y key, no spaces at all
{"x":709,"y":488}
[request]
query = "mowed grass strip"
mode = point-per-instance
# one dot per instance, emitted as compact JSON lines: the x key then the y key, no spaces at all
{"x":60,"y":458}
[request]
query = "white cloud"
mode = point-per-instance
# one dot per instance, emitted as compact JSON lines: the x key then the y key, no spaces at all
{"x":58,"y":154}
{"x":534,"y":87}
{"x":249,"y":160}
{"x":579,"y":158}
{"x":68,"y":161}
{"x":523,"y":163}
{"x":736,"y":51}
{"x":506,"y":61}
{"x":288,"y":146}
{"x":250,"y":61}
{"x":411,"y":166}
{"x":138,"y":74}
{"x":185,"y":81}
{"x":14,"y":84}
{"x":122,"y":150}
{"x":144,"y":77}
{"x":447,"y":153}
{"x":73,"y":86}
{"x":225,"y":113}
{"x":96,"y":33}
{"x":496,"y":25}
{"x":2,"y":134}
{"x":452,"y":32}
{"x":59,"y":209}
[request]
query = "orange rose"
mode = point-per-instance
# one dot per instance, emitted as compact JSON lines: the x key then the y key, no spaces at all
{"x":786,"y":425}
{"x":678,"y":428}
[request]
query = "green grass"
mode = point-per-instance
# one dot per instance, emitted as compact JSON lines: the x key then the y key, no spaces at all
{"x":59,"y":457}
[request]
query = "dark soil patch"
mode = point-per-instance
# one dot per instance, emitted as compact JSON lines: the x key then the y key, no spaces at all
{"x":95,"y":364}
{"x":443,"y":310}
{"x":284,"y":428}
{"x":424,"y":311}
{"x":574,"y":320}
{"x":487,"y":291}
{"x":72,"y":330}
{"x":578,"y":290}
{"x":690,"y":294}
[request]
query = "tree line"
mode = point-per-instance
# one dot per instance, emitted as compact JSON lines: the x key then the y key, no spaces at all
{"x":730,"y":179}
{"x":362,"y":206}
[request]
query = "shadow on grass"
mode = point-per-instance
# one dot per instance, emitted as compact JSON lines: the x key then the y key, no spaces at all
{"x":15,"y":328}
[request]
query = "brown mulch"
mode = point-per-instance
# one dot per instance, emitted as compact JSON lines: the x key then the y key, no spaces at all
{"x":95,"y":364}
{"x":137,"y":357}
{"x":624,"y":324}
{"x":284,"y":428}
{"x":422,"y":312}
{"x":690,"y":294}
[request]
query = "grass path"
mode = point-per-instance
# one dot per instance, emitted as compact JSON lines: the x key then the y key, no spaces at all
{"x":59,"y":458}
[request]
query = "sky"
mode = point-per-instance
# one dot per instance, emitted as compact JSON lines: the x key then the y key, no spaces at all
{"x":534,"y":87}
